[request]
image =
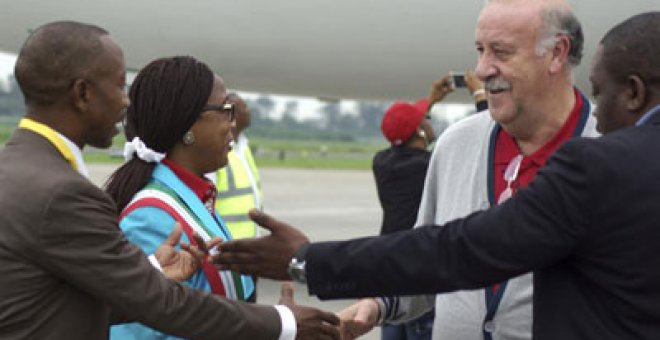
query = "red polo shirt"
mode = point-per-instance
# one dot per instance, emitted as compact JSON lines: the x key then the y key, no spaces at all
{"x":506,"y":149}
{"x":202,"y":187}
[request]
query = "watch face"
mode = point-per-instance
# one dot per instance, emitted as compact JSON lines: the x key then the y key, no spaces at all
{"x":297,"y":270}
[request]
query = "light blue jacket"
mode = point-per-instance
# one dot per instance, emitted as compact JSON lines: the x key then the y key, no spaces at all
{"x":148,"y":227}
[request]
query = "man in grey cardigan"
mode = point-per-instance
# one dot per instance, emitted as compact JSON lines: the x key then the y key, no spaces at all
{"x":527,"y":50}
{"x":526,"y":54}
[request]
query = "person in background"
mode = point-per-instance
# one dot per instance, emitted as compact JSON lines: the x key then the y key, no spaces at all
{"x":400,"y":169}
{"x":445,"y":85}
{"x":238,"y":183}
{"x":399,"y":172}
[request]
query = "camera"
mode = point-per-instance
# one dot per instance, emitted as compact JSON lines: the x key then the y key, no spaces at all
{"x":457,"y":80}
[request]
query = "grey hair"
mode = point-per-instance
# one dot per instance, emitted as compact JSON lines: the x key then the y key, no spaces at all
{"x":558,"y":21}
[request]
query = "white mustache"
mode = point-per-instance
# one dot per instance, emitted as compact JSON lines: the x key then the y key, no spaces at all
{"x":497,"y":84}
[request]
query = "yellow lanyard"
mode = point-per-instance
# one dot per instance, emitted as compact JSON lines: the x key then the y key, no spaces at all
{"x":52,"y":136}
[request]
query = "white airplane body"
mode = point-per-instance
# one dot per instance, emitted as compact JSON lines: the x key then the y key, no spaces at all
{"x":360,"y":49}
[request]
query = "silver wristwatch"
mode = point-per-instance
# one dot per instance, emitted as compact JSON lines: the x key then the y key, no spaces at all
{"x":296,"y":268}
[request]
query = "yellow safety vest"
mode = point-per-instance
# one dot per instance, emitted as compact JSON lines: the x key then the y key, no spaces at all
{"x":236,"y":196}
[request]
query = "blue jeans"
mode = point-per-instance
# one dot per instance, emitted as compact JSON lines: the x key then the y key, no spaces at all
{"x":418,"y":329}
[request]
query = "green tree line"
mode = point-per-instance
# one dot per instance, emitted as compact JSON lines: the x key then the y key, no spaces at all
{"x":11,"y":101}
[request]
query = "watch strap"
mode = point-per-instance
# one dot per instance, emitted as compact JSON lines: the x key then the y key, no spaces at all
{"x":301,"y":254}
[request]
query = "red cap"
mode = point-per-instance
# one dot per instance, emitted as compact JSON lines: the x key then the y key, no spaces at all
{"x":422,"y":104}
{"x":401,"y":121}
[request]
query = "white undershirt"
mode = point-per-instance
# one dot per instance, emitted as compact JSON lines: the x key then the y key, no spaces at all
{"x":77,"y":154}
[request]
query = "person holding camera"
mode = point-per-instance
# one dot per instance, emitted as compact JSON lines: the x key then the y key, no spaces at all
{"x":447,"y":84}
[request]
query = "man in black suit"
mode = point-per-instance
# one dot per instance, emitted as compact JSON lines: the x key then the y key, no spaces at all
{"x":587,"y":226}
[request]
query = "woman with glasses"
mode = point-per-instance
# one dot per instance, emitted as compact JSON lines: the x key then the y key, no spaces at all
{"x":178,"y":128}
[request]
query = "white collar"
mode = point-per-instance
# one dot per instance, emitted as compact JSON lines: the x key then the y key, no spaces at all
{"x":77,"y":154}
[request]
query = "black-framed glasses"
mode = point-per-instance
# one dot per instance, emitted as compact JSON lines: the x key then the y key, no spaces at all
{"x":227,"y":108}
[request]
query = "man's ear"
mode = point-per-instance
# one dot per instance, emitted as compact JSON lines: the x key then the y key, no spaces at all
{"x":559,"y":54}
{"x":636,"y":93}
{"x":80,"y":95}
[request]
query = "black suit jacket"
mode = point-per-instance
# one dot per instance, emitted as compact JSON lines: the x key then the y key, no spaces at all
{"x":588,"y":226}
{"x":65,"y":265}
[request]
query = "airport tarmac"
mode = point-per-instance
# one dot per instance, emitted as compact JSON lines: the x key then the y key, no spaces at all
{"x":325,"y":204}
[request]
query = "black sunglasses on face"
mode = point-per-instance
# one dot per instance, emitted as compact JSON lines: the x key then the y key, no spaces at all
{"x":227,"y":108}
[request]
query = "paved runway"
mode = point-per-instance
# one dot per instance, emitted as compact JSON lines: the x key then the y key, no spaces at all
{"x":326,"y":205}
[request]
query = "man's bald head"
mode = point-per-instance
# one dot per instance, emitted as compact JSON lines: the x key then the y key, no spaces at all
{"x":54,"y":56}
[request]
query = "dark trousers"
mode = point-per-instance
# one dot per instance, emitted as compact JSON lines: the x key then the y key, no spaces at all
{"x":418,"y":329}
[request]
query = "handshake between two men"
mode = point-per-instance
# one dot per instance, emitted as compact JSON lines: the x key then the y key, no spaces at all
{"x":281,"y":256}
{"x":311,"y":323}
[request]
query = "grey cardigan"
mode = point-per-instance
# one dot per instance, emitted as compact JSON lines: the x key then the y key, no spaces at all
{"x":456,"y":185}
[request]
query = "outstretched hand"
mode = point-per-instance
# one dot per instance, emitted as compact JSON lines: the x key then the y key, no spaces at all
{"x":472,"y":81}
{"x":266,"y":256}
{"x":181,"y":265}
{"x":439,"y":89}
{"x":311,"y":323}
{"x":358,"y":319}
